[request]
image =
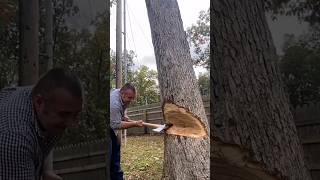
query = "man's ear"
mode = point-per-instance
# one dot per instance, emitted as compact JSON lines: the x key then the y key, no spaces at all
{"x":38,"y":101}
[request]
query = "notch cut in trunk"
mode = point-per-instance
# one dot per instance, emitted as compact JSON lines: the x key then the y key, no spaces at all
{"x":184,"y":123}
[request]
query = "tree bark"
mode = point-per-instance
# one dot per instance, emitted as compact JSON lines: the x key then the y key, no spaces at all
{"x":29,"y":48}
{"x":184,"y":157}
{"x":48,"y":64}
{"x":253,"y":132}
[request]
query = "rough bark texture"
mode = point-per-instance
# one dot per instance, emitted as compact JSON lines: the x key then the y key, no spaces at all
{"x":29,"y":48}
{"x":253,"y":132}
{"x":185,"y":158}
{"x":48,"y":36}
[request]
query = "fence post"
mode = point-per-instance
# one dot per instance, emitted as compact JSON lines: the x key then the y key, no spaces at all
{"x":145,"y":119}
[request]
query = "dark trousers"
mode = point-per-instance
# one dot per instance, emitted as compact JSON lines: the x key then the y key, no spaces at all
{"x":115,"y":169}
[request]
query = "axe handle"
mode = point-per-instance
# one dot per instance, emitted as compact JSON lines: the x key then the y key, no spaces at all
{"x":151,"y":125}
{"x":148,"y":124}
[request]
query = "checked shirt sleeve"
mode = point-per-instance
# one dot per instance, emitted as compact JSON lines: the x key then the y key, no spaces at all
{"x":5,"y":92}
{"x":15,"y":157}
{"x":115,"y":117}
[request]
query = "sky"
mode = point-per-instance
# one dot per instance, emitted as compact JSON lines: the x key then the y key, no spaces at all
{"x":139,"y":36}
{"x":138,"y":28}
{"x":285,"y":25}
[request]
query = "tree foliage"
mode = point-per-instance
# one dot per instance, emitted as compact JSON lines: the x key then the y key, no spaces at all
{"x":7,"y":12}
{"x":130,"y":56}
{"x":300,"y":67}
{"x":83,"y":51}
{"x":199,"y":38}
{"x":306,"y":10}
{"x":145,"y":81}
{"x":204,"y":84}
{"x":86,"y":54}
{"x":300,"y":63}
{"x":9,"y":43}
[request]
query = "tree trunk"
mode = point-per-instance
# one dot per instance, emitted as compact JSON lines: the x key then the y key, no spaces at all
{"x":253,"y":133}
{"x":29,"y":48}
{"x":48,"y":64}
{"x":185,"y":157}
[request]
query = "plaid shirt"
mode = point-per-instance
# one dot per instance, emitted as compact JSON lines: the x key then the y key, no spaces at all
{"x":22,"y":145}
{"x":117,"y":109}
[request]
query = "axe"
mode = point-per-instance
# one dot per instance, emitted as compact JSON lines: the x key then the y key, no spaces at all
{"x":157,"y":127}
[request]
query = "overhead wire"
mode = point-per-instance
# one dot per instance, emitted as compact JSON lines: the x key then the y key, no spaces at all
{"x":143,"y":33}
{"x":135,"y":50}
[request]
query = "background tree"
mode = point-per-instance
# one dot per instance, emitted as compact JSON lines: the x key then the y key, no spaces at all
{"x":9,"y":43}
{"x":253,"y":132}
{"x":7,"y":11}
{"x":9,"y":50}
{"x":300,"y":67}
{"x":88,"y":57}
{"x":62,"y":33}
{"x":199,"y":38}
{"x":47,"y":63}
{"x":143,"y":79}
{"x":29,"y":47}
{"x":203,"y":83}
{"x":83,"y":51}
{"x":130,"y":56}
{"x":299,"y":64}
{"x":146,"y":85}
{"x":307,"y":10}
{"x":198,"y":34}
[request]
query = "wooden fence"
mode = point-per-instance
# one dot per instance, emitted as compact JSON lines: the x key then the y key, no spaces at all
{"x":307,"y":119}
{"x":83,"y":161}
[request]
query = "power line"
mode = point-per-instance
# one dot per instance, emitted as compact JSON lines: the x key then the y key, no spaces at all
{"x":144,"y":35}
{"x":131,"y":32}
{"x":135,"y":50}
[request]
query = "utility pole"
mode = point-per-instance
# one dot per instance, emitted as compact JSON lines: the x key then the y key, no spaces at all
{"x":48,"y":35}
{"x":48,"y":63}
{"x":118,"y":46}
{"x":118,"y":54}
{"x":125,"y":57}
{"x":125,"y":43}
{"x":29,"y":47}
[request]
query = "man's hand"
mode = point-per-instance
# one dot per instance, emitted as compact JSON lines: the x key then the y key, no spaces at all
{"x":126,"y":119}
{"x":50,"y":175}
{"x":139,"y":123}
{"x":128,"y":123}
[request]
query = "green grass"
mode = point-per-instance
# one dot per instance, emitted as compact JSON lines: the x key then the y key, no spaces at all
{"x":142,"y":157}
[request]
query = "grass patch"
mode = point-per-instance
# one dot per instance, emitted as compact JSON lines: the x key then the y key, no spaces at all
{"x":142,"y":158}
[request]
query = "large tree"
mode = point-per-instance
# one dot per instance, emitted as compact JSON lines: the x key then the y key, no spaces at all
{"x":252,"y":130}
{"x":29,"y":47}
{"x":185,"y":157}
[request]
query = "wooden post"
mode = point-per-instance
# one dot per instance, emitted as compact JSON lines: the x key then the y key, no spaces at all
{"x":118,"y":55}
{"x":145,"y":119}
{"x":29,"y":47}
